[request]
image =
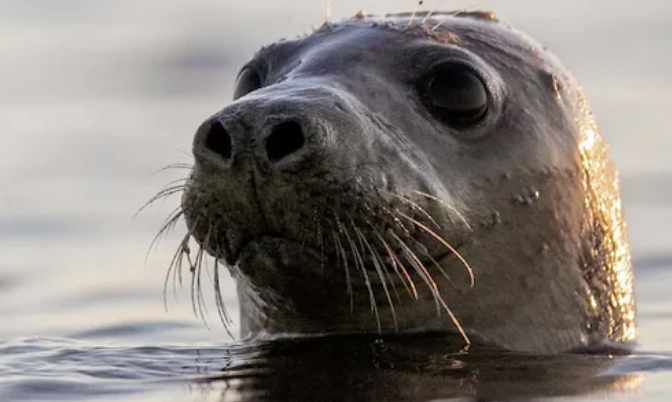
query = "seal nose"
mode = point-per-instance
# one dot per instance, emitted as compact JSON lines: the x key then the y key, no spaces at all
{"x":285,"y":139}
{"x":218,"y":140}
{"x":226,"y":140}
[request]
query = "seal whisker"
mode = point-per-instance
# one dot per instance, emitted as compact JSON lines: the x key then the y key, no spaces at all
{"x":440,"y":23}
{"x":456,"y":13}
{"x":203,"y":266}
{"x":418,"y":266}
{"x":168,"y":191}
{"x":170,"y":225}
{"x":442,"y":202}
{"x":407,"y":232}
{"x":176,"y":181}
{"x":163,"y":193}
{"x":327,"y":12}
{"x":413,"y":14}
{"x":433,"y":261}
{"x":415,"y":261}
{"x":219,"y":301}
{"x":360,"y":264}
{"x":427,"y":16}
{"x":396,"y":220}
{"x":197,"y":300}
{"x":174,"y":265}
{"x":172,"y":187}
{"x":320,"y":240}
{"x":437,"y":26}
{"x":434,"y":10}
{"x":341,"y":252}
{"x":364,"y":242}
{"x":192,"y":269}
{"x":377,"y":255}
{"x":184,"y":251}
{"x":399,"y":267}
{"x":166,"y":227}
{"x":445,"y":243}
{"x":378,"y":259}
{"x":387,"y":271}
{"x":207,"y":271}
{"x":186,"y":166}
{"x":415,"y":206}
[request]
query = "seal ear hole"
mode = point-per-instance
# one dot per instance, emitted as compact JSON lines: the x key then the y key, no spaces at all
{"x":248,"y":80}
{"x":455,"y":94}
{"x":218,"y":140}
{"x":285,"y":139}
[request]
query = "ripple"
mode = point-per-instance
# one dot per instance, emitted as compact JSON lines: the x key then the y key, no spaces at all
{"x":40,"y":389}
{"x":408,"y":367}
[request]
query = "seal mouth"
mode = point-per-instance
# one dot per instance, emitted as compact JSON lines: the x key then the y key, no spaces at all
{"x":368,"y":262}
{"x":235,"y":256}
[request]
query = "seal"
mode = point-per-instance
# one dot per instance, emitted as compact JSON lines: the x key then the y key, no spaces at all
{"x":414,"y":172}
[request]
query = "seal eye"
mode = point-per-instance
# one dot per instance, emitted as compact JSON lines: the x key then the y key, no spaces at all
{"x":455,"y":95}
{"x":248,"y":80}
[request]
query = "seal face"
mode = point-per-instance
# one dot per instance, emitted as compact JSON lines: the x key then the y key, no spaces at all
{"x":414,"y":172}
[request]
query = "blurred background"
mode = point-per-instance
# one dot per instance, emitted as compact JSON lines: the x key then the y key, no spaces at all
{"x":96,"y":95}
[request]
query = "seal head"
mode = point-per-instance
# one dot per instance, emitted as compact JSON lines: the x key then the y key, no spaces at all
{"x":414,"y":172}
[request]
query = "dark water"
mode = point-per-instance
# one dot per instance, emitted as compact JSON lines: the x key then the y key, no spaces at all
{"x":425,"y":367}
{"x":96,"y":95}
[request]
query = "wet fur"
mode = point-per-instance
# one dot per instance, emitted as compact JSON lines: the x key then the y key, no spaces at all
{"x":397,"y":240}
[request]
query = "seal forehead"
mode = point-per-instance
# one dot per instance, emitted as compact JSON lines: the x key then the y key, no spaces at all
{"x":427,"y":25}
{"x":478,"y":31}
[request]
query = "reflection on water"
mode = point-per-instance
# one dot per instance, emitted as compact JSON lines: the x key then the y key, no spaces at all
{"x":97,"y":95}
{"x":411,"y":368}
{"x":340,"y":368}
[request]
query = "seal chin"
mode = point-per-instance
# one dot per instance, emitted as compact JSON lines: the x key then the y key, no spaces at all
{"x":267,"y":260}
{"x":274,"y":250}
{"x":289,"y":256}
{"x":283,"y":256}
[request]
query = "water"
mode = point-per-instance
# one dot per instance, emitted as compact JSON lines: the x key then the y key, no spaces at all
{"x":96,"y":95}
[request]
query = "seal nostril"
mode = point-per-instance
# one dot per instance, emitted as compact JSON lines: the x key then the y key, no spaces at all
{"x":218,"y":140}
{"x":285,"y":139}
